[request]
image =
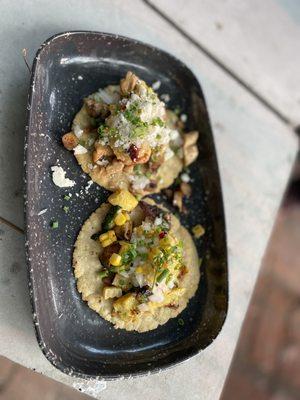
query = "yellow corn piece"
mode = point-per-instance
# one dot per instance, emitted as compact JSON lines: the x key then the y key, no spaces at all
{"x":112,"y":235}
{"x":198,"y":231}
{"x":125,"y":303}
{"x":139,"y":269}
{"x":115,"y":259}
{"x":104,"y":236}
{"x":120,"y":219}
{"x":124,"y":199}
{"x":107,"y":242}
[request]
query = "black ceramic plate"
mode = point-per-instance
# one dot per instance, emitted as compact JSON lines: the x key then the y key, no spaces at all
{"x":74,"y":338}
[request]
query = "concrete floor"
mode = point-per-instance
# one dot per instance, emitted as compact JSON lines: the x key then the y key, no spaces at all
{"x":266,"y":364}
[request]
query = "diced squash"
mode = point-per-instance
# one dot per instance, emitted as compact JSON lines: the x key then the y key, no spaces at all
{"x":125,"y":303}
{"x":115,"y":260}
{"x":107,"y":238}
{"x":107,"y":242}
{"x":103,"y":237}
{"x":124,"y":199}
{"x":122,"y":282}
{"x":198,"y":231}
{"x":109,"y":292}
{"x":120,"y":219}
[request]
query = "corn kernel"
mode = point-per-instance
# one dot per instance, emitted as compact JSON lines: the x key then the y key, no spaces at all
{"x":120,"y":219}
{"x":126,"y":216}
{"x":112,"y":235}
{"x":139,"y":269}
{"x":123,"y":199}
{"x":107,"y":242}
{"x":104,"y":236}
{"x":115,"y":259}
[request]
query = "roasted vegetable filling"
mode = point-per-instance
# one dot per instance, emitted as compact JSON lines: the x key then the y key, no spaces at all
{"x":130,"y":130}
{"x":141,"y":259}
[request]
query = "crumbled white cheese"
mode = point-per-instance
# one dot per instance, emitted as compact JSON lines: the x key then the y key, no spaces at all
{"x":165,"y":97}
{"x":79,"y":149}
{"x":156,"y":85}
{"x":140,"y":279}
{"x":77,"y":131}
{"x":88,"y":185}
{"x":175,"y":138}
{"x":158,"y":221}
{"x":157,"y":297}
{"x":143,"y":307}
{"x":79,"y":77}
{"x":102,"y":163}
{"x":183,"y":117}
{"x":185,"y":177}
{"x":150,"y":108}
{"x":139,"y":182}
{"x":42,"y":211}
{"x":59,"y":177}
{"x":168,"y":153}
{"x":146,"y":226}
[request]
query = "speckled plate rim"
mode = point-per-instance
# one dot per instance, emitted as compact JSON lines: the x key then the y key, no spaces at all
{"x":51,"y":358}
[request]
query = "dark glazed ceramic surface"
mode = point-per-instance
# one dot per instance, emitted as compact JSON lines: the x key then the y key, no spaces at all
{"x":74,"y":338}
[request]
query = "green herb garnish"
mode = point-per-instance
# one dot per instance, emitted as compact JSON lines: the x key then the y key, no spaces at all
{"x":103,"y":273}
{"x":163,"y":275}
{"x":108,"y":222}
{"x":180,"y":322}
{"x":158,"y":121}
{"x":54,"y":224}
{"x":66,"y":197}
{"x":101,"y":131}
{"x":138,"y":169}
{"x":129,"y":255}
{"x":66,"y":209}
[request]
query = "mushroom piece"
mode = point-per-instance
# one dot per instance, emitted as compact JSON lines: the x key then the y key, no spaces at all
{"x":178,"y":200}
{"x":190,"y":150}
{"x":190,"y":155}
{"x":128,"y":84}
{"x":101,"y":151}
{"x":190,"y":138}
{"x":124,"y":231}
{"x":135,"y":155}
{"x":107,"y":252}
{"x":96,"y":109}
{"x":70,"y":140}
{"x":114,"y":167}
{"x":186,"y":189}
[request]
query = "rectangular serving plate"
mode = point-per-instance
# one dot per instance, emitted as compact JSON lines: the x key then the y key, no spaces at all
{"x":68,"y":67}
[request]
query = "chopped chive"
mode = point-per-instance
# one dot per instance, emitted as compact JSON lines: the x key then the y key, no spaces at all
{"x":66,"y":197}
{"x":180,"y":322}
{"x":163,"y":275}
{"x":66,"y":209}
{"x":54,"y":224}
{"x":103,"y":273}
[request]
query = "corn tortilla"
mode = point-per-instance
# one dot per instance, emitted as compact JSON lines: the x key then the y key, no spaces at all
{"x":87,"y":266}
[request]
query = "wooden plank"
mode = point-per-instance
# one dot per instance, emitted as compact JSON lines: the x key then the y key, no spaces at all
{"x":259,"y":41}
{"x":255,"y":151}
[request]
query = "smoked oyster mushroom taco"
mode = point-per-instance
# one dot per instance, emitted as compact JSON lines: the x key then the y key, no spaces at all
{"x":124,"y":137}
{"x":134,"y":263}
